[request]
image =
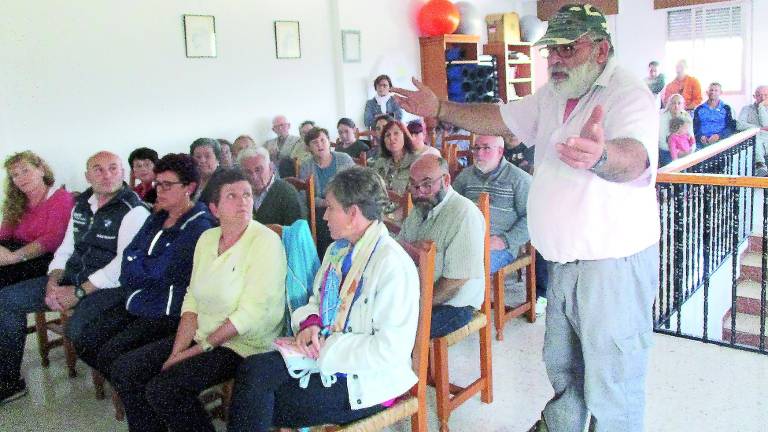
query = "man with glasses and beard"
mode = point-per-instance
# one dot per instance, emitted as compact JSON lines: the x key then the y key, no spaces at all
{"x":592,"y":213}
{"x":457,"y":227}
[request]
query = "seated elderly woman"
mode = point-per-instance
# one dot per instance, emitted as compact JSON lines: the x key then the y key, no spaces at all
{"x":227,"y":161}
{"x":234,"y":307}
{"x":155,"y":270}
{"x":323,"y":165}
{"x":359,"y":325}
{"x":35,"y":217}
{"x":396,"y":157}
{"x":142,"y":162}
{"x":207,"y":155}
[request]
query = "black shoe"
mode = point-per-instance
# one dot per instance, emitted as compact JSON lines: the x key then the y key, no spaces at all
{"x":11,"y":392}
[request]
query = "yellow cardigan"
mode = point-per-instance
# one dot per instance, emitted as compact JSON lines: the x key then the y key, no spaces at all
{"x":245,"y":284}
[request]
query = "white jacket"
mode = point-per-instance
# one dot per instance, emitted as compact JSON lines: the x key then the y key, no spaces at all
{"x":375,"y":348}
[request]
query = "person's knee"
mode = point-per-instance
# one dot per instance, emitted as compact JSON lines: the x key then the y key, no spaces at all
{"x":158,"y":391}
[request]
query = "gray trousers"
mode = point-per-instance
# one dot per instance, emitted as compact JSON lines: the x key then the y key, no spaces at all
{"x":598,"y":334}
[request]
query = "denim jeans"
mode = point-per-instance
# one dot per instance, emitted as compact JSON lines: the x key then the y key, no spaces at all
{"x":447,"y":319}
{"x":16,"y":301}
{"x":500,"y":258}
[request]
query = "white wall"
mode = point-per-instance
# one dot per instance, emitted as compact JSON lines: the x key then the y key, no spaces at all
{"x":81,"y":76}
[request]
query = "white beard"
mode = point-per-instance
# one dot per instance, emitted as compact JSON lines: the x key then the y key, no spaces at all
{"x":579,"y":81}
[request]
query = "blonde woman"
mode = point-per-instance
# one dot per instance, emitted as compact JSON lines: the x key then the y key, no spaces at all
{"x":675,"y":108}
{"x":35,"y":217}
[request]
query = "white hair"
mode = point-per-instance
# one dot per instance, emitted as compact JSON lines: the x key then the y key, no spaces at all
{"x":250,"y":152}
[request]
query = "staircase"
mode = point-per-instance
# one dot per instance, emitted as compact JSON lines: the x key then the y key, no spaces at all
{"x":748,"y":293}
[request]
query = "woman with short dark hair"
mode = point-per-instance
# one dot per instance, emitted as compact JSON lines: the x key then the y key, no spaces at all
{"x":142,"y":163}
{"x":323,"y":165}
{"x":359,"y":325}
{"x":382,"y":102}
{"x":35,"y":217}
{"x":348,"y":142}
{"x":207,"y":155}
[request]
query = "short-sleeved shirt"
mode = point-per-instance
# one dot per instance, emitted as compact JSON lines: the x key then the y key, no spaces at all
{"x":458,"y":229}
{"x":572,"y":213}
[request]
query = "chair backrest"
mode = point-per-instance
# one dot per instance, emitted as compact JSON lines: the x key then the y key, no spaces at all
{"x":361,"y":160}
{"x":308,"y":187}
{"x":404,"y":201}
{"x":296,"y":166}
{"x":424,"y":258}
{"x":484,"y":204}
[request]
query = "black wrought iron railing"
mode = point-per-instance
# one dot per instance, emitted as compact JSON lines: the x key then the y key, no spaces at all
{"x":712,"y":261}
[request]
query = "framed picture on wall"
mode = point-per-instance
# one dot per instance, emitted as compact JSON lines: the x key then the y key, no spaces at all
{"x":287,"y":39}
{"x":200,"y":35}
{"x":350,"y":46}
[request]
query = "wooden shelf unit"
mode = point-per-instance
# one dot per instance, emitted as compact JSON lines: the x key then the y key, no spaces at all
{"x":433,"y":63}
{"x":515,"y":76}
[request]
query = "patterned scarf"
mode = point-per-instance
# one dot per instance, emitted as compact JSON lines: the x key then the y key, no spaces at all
{"x":342,"y":273}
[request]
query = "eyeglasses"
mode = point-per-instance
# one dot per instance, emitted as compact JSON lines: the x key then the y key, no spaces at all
{"x":478,"y":149}
{"x":426,"y":185}
{"x":563,"y":51}
{"x":166,"y":185}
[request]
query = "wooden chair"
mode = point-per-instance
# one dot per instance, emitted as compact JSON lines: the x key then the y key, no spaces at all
{"x":414,"y":403}
{"x":364,"y":134}
{"x":403,"y":205}
{"x":308,"y":186}
{"x":504,"y":313}
{"x":450,"y":396}
{"x":55,"y":326}
{"x":361,"y":160}
{"x":296,"y":167}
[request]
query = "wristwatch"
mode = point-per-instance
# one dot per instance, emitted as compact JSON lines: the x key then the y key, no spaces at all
{"x":206,"y":346}
{"x":600,"y":162}
{"x":80,"y":292}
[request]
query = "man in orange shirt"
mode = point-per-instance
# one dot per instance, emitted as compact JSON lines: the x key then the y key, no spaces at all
{"x":686,"y":85}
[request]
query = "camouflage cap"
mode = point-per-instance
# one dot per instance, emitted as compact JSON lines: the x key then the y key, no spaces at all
{"x":573,"y":21}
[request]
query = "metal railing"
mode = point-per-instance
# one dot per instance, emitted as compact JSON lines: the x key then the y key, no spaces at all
{"x":707,"y":210}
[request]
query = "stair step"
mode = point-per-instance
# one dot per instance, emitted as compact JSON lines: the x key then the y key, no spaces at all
{"x":752,"y":266}
{"x":755,"y":244}
{"x":752,"y":259}
{"x":748,"y":297}
{"x":747,"y":329}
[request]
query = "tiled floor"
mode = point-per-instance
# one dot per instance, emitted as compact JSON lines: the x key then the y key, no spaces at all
{"x":692,"y":387}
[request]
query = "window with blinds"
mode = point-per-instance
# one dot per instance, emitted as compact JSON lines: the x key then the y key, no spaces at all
{"x":711,"y":39}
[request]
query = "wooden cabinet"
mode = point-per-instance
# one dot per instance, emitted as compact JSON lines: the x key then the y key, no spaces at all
{"x":433,"y":61}
{"x":515,"y":68}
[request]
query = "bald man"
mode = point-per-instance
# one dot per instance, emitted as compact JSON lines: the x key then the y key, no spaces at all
{"x":508,"y":187}
{"x":284,"y":145}
{"x":457,"y":227}
{"x":85,"y":272}
{"x":756,"y":115}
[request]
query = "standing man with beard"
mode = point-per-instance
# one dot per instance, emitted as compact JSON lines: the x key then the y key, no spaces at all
{"x":592,"y":212}
{"x":457,"y":227}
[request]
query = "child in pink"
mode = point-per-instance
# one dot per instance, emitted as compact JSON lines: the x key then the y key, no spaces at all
{"x":680,"y":140}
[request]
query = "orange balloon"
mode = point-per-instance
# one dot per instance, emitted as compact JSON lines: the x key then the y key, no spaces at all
{"x":438,"y":17}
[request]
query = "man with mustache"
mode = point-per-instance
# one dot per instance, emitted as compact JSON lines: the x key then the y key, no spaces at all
{"x":457,"y":227}
{"x":592,"y":213}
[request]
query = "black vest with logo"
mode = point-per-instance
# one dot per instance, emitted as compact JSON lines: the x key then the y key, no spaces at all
{"x":95,"y":235}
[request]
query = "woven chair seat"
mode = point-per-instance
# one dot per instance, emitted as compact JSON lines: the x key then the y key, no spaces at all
{"x":518,"y":264}
{"x":478,"y":321}
{"x":400,"y":410}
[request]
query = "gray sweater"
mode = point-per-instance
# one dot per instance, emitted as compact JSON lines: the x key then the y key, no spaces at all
{"x":508,"y":187}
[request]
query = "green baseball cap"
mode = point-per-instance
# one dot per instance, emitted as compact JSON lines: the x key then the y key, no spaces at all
{"x":573,"y":21}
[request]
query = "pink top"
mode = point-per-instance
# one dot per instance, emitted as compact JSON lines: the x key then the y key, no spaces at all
{"x":45,"y":223}
{"x":680,"y":143}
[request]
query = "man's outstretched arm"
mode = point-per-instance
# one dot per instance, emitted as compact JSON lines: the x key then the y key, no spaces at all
{"x":480,"y":118}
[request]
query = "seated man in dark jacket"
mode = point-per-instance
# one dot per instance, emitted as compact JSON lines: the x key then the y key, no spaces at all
{"x":84,"y":275}
{"x":275,"y":201}
{"x":156,"y":269}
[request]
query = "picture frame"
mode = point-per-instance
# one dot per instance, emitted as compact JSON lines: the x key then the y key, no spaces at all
{"x":350,"y":46}
{"x":200,"y":35}
{"x":287,"y":40}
